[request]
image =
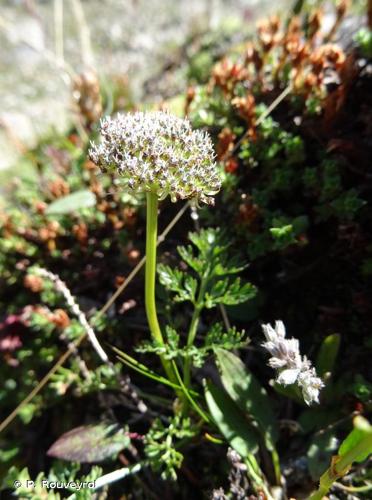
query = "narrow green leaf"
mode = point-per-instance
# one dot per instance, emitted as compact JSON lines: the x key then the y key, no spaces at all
{"x":248,"y":394}
{"x":230,"y":421}
{"x":327,"y":355}
{"x":72,"y":202}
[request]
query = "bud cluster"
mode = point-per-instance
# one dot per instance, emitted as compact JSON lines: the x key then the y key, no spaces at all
{"x":158,"y":152}
{"x":292,"y":367}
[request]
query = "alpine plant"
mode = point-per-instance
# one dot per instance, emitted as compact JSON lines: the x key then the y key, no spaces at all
{"x":292,"y":368}
{"x":160,"y":153}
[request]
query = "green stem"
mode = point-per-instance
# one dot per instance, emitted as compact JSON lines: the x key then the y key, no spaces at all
{"x":276,"y":464}
{"x":193,"y":329}
{"x":340,"y":467}
{"x":255,"y":474}
{"x":150,"y":275}
{"x":196,"y":407}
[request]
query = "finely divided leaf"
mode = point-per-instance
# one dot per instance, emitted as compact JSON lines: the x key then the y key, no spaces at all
{"x":229,"y":293}
{"x":177,"y":281}
{"x":187,"y":255}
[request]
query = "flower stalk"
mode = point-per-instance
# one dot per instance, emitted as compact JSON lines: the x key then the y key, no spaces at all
{"x":159,"y":154}
{"x":340,"y":466}
{"x":150,"y":275}
{"x":193,"y":330}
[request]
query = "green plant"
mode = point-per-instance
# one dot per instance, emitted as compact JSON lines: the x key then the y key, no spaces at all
{"x":42,"y":485}
{"x":356,"y":447}
{"x":161,"y":155}
{"x":163,"y":444}
{"x":364,"y":39}
{"x":214,"y":284}
{"x":288,"y":118}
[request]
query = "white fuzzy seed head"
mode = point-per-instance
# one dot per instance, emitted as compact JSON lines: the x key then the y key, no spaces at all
{"x":158,"y":152}
{"x":292,"y":368}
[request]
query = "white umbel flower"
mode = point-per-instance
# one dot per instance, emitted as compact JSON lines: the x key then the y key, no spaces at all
{"x":158,"y":152}
{"x":290,"y":365}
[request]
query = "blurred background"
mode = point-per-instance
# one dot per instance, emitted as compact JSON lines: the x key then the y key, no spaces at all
{"x":45,"y":43}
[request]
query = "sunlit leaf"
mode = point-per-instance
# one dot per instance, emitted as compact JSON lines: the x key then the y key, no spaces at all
{"x":187,"y":255}
{"x":361,"y":433}
{"x":229,"y":292}
{"x":178,"y":282}
{"x":248,"y":394}
{"x":328,"y":351}
{"x":231,"y":421}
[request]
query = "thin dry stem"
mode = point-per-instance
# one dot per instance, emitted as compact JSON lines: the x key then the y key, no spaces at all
{"x":75,"y":309}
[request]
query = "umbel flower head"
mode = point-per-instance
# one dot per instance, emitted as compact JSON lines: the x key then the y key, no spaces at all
{"x":292,"y":367}
{"x":158,"y":152}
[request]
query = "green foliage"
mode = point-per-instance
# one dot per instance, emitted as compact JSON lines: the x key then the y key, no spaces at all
{"x":357,"y":447}
{"x":162,"y":445}
{"x":228,"y":293}
{"x":364,"y":39}
{"x":248,"y":394}
{"x":229,"y":340}
{"x":59,"y":473}
{"x":208,"y":282}
{"x":287,"y":234}
{"x":326,"y":359}
{"x":215,"y":337}
{"x":292,"y":187}
{"x":320,"y":451}
{"x":183,"y":285}
{"x":231,"y":422}
{"x":358,"y":444}
{"x":361,"y":388}
{"x":294,"y":205}
{"x":213,"y":266}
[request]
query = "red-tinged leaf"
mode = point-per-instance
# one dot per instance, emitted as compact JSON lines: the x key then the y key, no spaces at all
{"x":91,"y":443}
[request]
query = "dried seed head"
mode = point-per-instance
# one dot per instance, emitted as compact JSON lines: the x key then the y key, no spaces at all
{"x":158,"y":152}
